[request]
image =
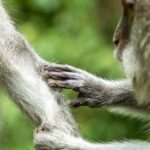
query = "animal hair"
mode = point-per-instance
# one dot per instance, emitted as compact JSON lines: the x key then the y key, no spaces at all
{"x":20,"y":73}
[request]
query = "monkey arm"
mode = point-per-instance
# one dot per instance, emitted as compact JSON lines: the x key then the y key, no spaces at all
{"x":93,"y":91}
{"x":21,"y":80}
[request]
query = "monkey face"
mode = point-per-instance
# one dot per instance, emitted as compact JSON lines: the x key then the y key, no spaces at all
{"x":123,"y":29}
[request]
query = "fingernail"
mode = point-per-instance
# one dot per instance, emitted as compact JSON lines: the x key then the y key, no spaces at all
{"x":52,"y":83}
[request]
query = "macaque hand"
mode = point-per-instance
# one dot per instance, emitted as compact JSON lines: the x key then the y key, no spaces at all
{"x":87,"y":85}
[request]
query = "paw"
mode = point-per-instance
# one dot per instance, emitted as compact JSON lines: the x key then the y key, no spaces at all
{"x":64,"y":76}
{"x":68,"y":77}
{"x":86,"y":100}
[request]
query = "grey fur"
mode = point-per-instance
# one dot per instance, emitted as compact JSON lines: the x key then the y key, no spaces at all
{"x":20,"y":69}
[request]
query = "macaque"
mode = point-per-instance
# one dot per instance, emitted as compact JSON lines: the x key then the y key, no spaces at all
{"x":21,"y":75}
{"x":131,"y":38}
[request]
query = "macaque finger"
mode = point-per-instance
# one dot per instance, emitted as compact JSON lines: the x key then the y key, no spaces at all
{"x":67,"y":84}
{"x":60,"y":75}
{"x":78,"y":103}
{"x":59,"y":68}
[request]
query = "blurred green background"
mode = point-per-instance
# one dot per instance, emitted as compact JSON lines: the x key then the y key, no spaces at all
{"x":75,"y":32}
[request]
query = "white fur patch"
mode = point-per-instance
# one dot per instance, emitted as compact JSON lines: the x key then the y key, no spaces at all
{"x":130,"y":62}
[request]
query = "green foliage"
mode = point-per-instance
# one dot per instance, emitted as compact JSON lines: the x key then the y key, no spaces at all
{"x":67,"y":32}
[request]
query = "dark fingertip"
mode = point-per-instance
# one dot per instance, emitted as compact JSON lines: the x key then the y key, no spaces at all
{"x":74,"y":104}
{"x":45,"y":67}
